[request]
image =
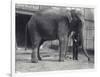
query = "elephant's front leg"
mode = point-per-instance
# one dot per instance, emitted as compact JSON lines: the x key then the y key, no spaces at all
{"x":34,"y":58}
{"x":63,"y":47}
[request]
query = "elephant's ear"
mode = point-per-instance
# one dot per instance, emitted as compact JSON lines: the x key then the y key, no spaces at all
{"x":80,"y":14}
{"x":68,"y":14}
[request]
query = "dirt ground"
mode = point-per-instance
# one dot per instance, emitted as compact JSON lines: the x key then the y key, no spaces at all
{"x":50,"y":61}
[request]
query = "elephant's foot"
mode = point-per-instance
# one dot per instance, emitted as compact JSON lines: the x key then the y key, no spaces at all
{"x":61,"y":59}
{"x":34,"y":60}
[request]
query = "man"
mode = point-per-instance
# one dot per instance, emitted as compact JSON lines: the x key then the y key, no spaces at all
{"x":76,"y":33}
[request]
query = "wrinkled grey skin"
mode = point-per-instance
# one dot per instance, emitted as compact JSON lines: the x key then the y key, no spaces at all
{"x":43,"y":27}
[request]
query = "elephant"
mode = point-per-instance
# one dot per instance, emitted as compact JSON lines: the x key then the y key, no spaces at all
{"x":44,"y":27}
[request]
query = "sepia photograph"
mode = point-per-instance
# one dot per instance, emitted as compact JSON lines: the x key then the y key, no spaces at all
{"x":53,"y":38}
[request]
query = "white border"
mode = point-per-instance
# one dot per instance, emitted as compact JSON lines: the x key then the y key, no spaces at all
{"x":13,"y":38}
{"x":69,"y":3}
